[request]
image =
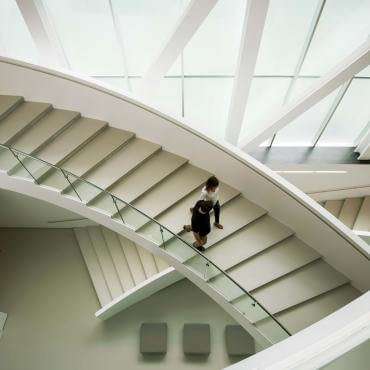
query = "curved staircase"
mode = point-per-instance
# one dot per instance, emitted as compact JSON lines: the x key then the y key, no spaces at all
{"x":263,"y":256}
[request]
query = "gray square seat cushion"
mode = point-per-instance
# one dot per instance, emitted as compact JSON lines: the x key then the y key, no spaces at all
{"x":238,"y":341}
{"x":153,"y":338}
{"x":196,"y":339}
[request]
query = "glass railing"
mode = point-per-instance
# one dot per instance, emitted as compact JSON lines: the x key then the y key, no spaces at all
{"x":20,"y":164}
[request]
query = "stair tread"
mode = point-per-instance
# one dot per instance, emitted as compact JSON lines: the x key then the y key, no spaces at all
{"x":147,"y":175}
{"x":306,"y":283}
{"x":236,"y":214}
{"x":147,"y":260}
{"x":126,"y":159}
{"x":161,"y":263}
{"x":96,"y":150}
{"x":165,"y":194}
{"x":271,"y":264}
{"x":14,"y":123}
{"x":45,"y":128}
{"x":307,"y":313}
{"x":105,"y":261}
{"x":93,"y":266}
{"x":72,"y":138}
{"x":179,"y":214}
{"x":362,"y":222}
{"x":7,"y":102}
{"x":334,"y":206}
{"x":349,"y":211}
{"x":247,"y":242}
{"x":133,"y":259}
{"x":119,"y":259}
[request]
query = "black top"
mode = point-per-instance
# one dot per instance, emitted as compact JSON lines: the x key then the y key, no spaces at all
{"x":200,"y":223}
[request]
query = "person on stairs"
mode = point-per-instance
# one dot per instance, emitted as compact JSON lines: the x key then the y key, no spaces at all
{"x":210,"y":192}
{"x":200,"y":223}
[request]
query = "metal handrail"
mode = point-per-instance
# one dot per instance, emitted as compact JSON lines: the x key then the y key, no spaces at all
{"x":208,"y":261}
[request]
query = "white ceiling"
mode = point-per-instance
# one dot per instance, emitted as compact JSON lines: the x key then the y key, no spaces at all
{"x":18,"y":210}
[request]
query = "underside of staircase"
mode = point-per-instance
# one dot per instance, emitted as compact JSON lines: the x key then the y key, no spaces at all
{"x":353,"y":212}
{"x":288,"y":277}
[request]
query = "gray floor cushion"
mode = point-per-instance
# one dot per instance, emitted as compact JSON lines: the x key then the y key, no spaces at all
{"x":196,"y":339}
{"x":153,"y":338}
{"x":238,"y":341}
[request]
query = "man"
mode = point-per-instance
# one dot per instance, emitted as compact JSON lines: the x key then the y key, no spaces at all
{"x":200,"y":223}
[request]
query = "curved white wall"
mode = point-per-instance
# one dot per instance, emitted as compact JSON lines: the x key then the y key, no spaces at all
{"x":315,"y":226}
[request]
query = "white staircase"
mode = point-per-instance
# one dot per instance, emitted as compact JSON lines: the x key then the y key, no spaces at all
{"x":264,"y":256}
{"x":353,"y":212}
{"x":115,"y":264}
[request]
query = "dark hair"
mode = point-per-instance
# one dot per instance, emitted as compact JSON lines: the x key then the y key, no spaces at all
{"x":206,"y":205}
{"x":212,"y":182}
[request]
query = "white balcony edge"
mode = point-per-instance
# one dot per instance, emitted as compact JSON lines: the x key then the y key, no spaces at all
{"x":141,"y":291}
{"x":318,"y":344}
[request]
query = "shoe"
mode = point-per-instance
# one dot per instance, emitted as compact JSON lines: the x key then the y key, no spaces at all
{"x":201,"y":248}
{"x":219,"y":226}
{"x":187,"y":228}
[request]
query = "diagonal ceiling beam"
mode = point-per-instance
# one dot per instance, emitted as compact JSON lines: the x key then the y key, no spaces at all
{"x":193,"y":17}
{"x":342,"y":72}
{"x":43,"y":33}
{"x":254,"y":22}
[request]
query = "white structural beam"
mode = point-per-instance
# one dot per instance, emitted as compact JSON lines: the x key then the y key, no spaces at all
{"x":43,"y":33}
{"x":254,"y":23}
{"x":189,"y":22}
{"x":342,"y":72}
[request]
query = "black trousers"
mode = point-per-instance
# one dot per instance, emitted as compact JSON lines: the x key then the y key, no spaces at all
{"x":216,"y":208}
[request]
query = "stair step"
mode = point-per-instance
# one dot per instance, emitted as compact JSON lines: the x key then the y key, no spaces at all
{"x":165,"y":194}
{"x":45,"y":129}
{"x":118,"y":165}
{"x":133,"y":259}
{"x":334,"y":206}
{"x":263,"y":268}
{"x":59,"y":149}
{"x":161,"y":263}
{"x":247,"y":242}
{"x":147,"y":260}
{"x":8,"y":103}
{"x":349,"y":211}
{"x":151,"y":172}
{"x":105,"y":260}
{"x":309,"y":312}
{"x":93,"y":266}
{"x":301,"y":285}
{"x":362,"y":222}
{"x":97,"y":150}
{"x":179,"y":214}
{"x":16,"y":122}
{"x":236,"y":214}
{"x":119,"y":259}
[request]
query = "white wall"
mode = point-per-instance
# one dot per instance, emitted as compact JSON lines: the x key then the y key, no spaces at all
{"x":46,"y":290}
{"x":18,"y":210}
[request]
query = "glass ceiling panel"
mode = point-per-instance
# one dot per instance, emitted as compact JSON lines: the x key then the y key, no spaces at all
{"x":116,"y":82}
{"x":15,"y":39}
{"x":351,"y":116}
{"x":213,"y":50}
{"x":145,"y":27}
{"x":302,"y":131}
{"x":286,"y":28}
{"x":266,"y":95}
{"x":168,"y":96}
{"x":86,"y":30}
{"x":344,"y":25}
{"x":207,"y":103}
